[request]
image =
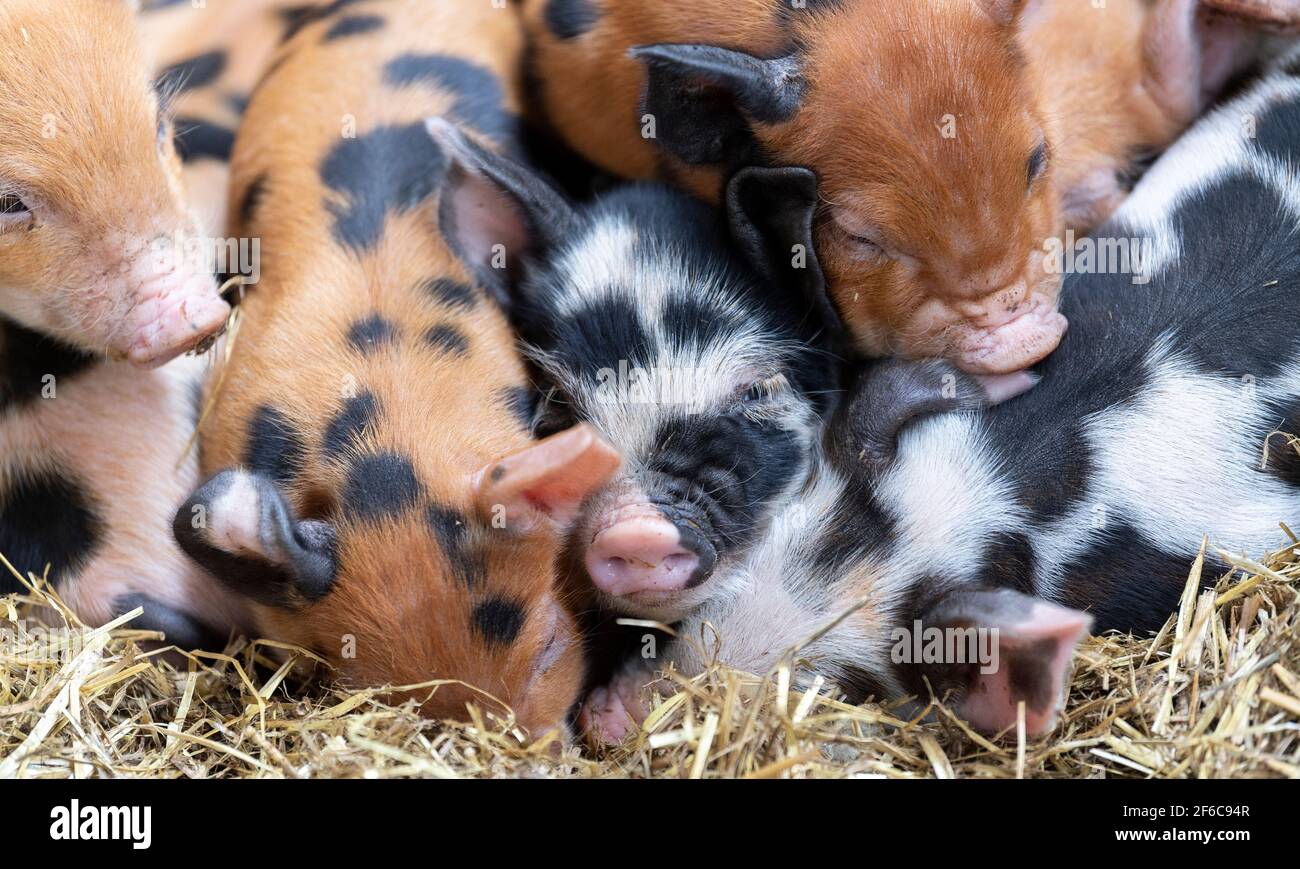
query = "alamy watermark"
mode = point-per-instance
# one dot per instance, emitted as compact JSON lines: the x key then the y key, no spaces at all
{"x":1099,"y":256}
{"x":933,"y":645}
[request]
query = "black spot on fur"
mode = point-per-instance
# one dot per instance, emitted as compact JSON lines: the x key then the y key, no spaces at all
{"x":1283,"y":459}
{"x":1009,"y":563}
{"x":729,"y":468}
{"x":275,"y":447}
{"x":181,"y":629}
{"x":448,"y":339}
{"x":1277,"y":133}
{"x":26,"y":357}
{"x":451,"y":528}
{"x":354,"y":25}
{"x":193,"y":73}
{"x":389,"y":170}
{"x":521,"y":401}
{"x":252,"y":198}
{"x":451,"y":292}
{"x":357,"y":415}
{"x":1128,"y":583}
{"x":197,"y":139}
{"x":479,"y":97}
{"x":380,"y":486}
{"x":499,"y":621}
{"x":569,"y":19}
{"x":371,"y":333}
{"x":47,"y":518}
{"x":299,"y":17}
{"x":238,"y":103}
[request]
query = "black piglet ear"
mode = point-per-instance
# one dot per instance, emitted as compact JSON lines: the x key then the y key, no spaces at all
{"x":703,"y":99}
{"x":493,"y":210}
{"x":239,"y":528}
{"x":770,"y":211}
{"x":890,"y":395}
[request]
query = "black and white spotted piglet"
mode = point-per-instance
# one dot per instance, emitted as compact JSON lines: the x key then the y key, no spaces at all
{"x":707,"y":369}
{"x":1083,"y":501}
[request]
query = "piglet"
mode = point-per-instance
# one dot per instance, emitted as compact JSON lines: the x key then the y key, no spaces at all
{"x":373,"y":491}
{"x":942,"y":135}
{"x":1069,"y":506}
{"x":707,"y":366}
{"x":95,"y":231}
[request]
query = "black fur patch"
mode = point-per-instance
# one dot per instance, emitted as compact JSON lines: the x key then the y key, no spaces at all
{"x":479,"y":97}
{"x":193,"y":73}
{"x":1283,"y":459}
{"x":252,"y":198}
{"x":521,"y":401}
{"x":371,"y":333}
{"x":26,"y":357}
{"x":728,"y":467}
{"x":354,"y":25}
{"x":357,"y":415}
{"x":1009,"y":563}
{"x":389,"y":170}
{"x":381,"y":486}
{"x":47,"y":518}
{"x":451,"y":528}
{"x":499,"y":621}
{"x":1129,"y":584}
{"x":182,"y":630}
{"x":197,"y":139}
{"x":447,"y":291}
{"x":275,"y":448}
{"x":448,"y":339}
{"x":299,"y":17}
{"x":569,"y":19}
{"x":1277,"y":133}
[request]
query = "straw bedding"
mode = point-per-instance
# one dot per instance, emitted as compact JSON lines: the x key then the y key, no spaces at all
{"x":1216,"y":693}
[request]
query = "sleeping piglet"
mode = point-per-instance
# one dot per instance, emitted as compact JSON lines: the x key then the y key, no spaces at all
{"x":942,"y":135}
{"x":94,"y":229}
{"x":1167,"y":414}
{"x":707,"y":367}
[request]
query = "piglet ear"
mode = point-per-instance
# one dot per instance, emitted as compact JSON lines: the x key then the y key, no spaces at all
{"x":889,"y":396}
{"x":1006,"y":12}
{"x":1031,"y":642}
{"x":704,"y":98}
{"x":1188,"y":55}
{"x":239,"y":528}
{"x":548,"y":480}
{"x":770,"y":211}
{"x":494,"y":211}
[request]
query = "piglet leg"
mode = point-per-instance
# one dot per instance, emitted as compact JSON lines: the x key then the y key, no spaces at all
{"x":611,"y":713}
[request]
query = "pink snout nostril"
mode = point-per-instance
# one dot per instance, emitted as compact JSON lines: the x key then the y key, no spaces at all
{"x":639,"y":555}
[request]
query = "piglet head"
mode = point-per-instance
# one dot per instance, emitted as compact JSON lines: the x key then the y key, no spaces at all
{"x":97,"y":246}
{"x":407,"y":598}
{"x":934,"y":162}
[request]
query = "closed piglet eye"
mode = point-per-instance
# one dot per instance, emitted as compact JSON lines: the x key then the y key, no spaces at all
{"x":1037,"y":164}
{"x":866,"y":241}
{"x":14,"y":213}
{"x":764,"y":388}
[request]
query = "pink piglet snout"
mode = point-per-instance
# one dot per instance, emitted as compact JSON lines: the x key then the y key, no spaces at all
{"x":174,"y":311}
{"x":644,"y":556}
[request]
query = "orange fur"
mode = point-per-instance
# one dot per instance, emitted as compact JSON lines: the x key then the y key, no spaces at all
{"x":396,"y":593}
{"x":82,"y":150}
{"x":966,"y":239}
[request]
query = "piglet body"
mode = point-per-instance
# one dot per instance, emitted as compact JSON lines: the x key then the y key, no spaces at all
{"x":373,"y":492}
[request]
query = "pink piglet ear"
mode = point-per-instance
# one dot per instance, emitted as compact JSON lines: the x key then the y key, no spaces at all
{"x":549,"y":479}
{"x":1031,"y":641}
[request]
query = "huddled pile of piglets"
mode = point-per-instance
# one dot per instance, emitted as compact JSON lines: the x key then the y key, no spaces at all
{"x":747,"y":317}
